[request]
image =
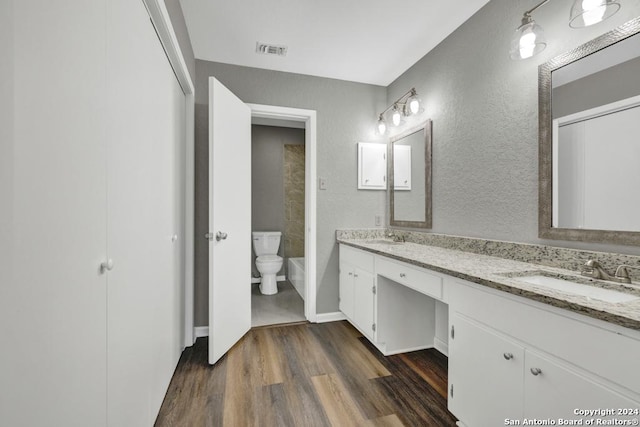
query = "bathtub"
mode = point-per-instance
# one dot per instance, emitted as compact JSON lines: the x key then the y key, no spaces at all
{"x":296,"y":274}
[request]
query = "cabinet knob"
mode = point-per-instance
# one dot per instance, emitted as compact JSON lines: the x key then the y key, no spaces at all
{"x":355,"y":275}
{"x":536,"y":371}
{"x":508,"y":356}
{"x":106,"y":266}
{"x":350,"y":274}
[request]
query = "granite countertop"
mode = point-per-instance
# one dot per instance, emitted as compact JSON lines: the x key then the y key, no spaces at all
{"x":502,"y":274}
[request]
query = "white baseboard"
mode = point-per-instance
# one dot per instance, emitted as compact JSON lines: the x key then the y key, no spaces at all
{"x":330,"y":317}
{"x":278,"y":279}
{"x":201,"y":331}
{"x":441,"y":346}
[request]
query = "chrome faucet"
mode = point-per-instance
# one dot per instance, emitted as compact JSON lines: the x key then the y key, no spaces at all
{"x":622,"y":275}
{"x":593,"y":268}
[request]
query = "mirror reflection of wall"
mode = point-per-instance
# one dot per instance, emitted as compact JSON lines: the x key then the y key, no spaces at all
{"x":595,"y":149}
{"x":409,"y":177}
{"x":410,"y":197}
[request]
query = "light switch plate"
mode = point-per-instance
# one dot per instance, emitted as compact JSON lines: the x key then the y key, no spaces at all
{"x":322,"y":183}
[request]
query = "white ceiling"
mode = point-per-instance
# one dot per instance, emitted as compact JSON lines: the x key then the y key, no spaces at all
{"x":368,"y":41}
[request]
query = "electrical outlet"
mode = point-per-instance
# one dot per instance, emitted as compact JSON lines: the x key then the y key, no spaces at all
{"x":322,"y":183}
{"x":378,"y":220}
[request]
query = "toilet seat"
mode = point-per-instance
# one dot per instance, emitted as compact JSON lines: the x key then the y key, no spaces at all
{"x":268,"y":258}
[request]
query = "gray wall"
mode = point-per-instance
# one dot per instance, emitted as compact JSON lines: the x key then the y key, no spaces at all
{"x":180,"y":27}
{"x":346,"y":115}
{"x":6,"y":143}
{"x":484,"y":108}
{"x":607,"y":86}
{"x":267,"y":179}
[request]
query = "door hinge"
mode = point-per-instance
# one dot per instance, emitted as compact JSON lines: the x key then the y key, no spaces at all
{"x":373,"y":289}
{"x":451,"y":390}
{"x":373,"y":327}
{"x":453,"y":332}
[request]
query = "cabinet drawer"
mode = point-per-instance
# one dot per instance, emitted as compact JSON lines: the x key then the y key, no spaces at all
{"x":356,"y":257}
{"x":412,"y":277}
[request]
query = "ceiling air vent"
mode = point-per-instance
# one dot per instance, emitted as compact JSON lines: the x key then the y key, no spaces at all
{"x":271,"y":49}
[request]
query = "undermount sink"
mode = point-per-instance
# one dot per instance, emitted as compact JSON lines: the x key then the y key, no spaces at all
{"x":570,"y":287}
{"x":383,"y":242}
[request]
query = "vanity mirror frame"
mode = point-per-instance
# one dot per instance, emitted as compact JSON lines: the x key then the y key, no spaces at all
{"x":545,"y":142}
{"x":426,"y":128}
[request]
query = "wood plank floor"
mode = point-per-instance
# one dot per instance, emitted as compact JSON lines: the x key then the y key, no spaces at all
{"x":307,"y":375}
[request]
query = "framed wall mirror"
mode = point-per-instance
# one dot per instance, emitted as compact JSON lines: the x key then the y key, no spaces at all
{"x":410,"y":177}
{"x":589,"y":144}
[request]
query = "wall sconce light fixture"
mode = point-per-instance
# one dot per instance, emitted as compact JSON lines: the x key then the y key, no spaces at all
{"x":407,"y":105}
{"x":529,"y":39}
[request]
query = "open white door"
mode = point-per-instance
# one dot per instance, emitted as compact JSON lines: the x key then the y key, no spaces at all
{"x":229,"y":219}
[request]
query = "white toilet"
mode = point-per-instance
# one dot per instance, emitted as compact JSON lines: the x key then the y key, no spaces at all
{"x":266,"y":244}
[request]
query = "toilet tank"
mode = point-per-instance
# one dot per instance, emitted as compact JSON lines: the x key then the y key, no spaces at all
{"x":266,"y":242}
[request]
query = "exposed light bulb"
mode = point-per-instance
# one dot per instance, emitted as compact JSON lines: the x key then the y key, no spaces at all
{"x":527,"y":45}
{"x":382,"y":126}
{"x":396,"y":117}
{"x":593,"y":11}
{"x":528,"y":39}
{"x":414,"y":103}
{"x":588,"y":12}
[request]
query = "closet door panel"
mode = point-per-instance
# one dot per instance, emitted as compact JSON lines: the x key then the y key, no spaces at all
{"x":145,"y":133}
{"x":53,"y":303}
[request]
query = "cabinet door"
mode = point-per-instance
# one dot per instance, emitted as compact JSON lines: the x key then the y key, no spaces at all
{"x":555,"y":391}
{"x":372,"y":166}
{"x":485,"y":374}
{"x":401,"y":167}
{"x":363,"y":301}
{"x":347,"y":297}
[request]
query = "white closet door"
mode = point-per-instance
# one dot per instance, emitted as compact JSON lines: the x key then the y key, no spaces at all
{"x":145,"y":129}
{"x":52,"y":296}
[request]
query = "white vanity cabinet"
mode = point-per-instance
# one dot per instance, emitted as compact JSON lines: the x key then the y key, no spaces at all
{"x":511,"y":358}
{"x":357,"y":289}
{"x":392,"y":303}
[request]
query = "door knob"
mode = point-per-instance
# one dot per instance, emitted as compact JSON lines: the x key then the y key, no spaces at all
{"x":221,"y":236}
{"x":106,"y":266}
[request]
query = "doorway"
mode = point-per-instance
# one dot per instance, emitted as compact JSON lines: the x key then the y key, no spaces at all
{"x":300,"y":119}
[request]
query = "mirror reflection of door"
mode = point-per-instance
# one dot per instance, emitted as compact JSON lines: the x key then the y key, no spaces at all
{"x":596,"y":120}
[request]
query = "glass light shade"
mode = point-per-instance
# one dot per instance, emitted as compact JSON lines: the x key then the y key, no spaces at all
{"x":528,"y":40}
{"x":382,"y":126}
{"x":396,"y":117}
{"x":588,"y":12}
{"x":414,"y":104}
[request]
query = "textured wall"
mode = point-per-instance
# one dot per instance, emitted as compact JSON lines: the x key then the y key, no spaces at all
{"x":607,"y":86}
{"x":346,"y":114}
{"x":267,"y":179}
{"x":484,"y":108}
{"x":180,"y":27}
{"x":294,"y":198}
{"x":7,"y":82}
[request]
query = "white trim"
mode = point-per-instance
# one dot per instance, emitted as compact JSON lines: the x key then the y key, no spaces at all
{"x":403,"y":350}
{"x":200,"y":331}
{"x":330,"y":317}
{"x":441,"y":346}
{"x":309,"y":118}
{"x":160,"y":18}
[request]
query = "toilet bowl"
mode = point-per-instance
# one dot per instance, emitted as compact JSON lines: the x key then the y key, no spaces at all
{"x":268,"y":263}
